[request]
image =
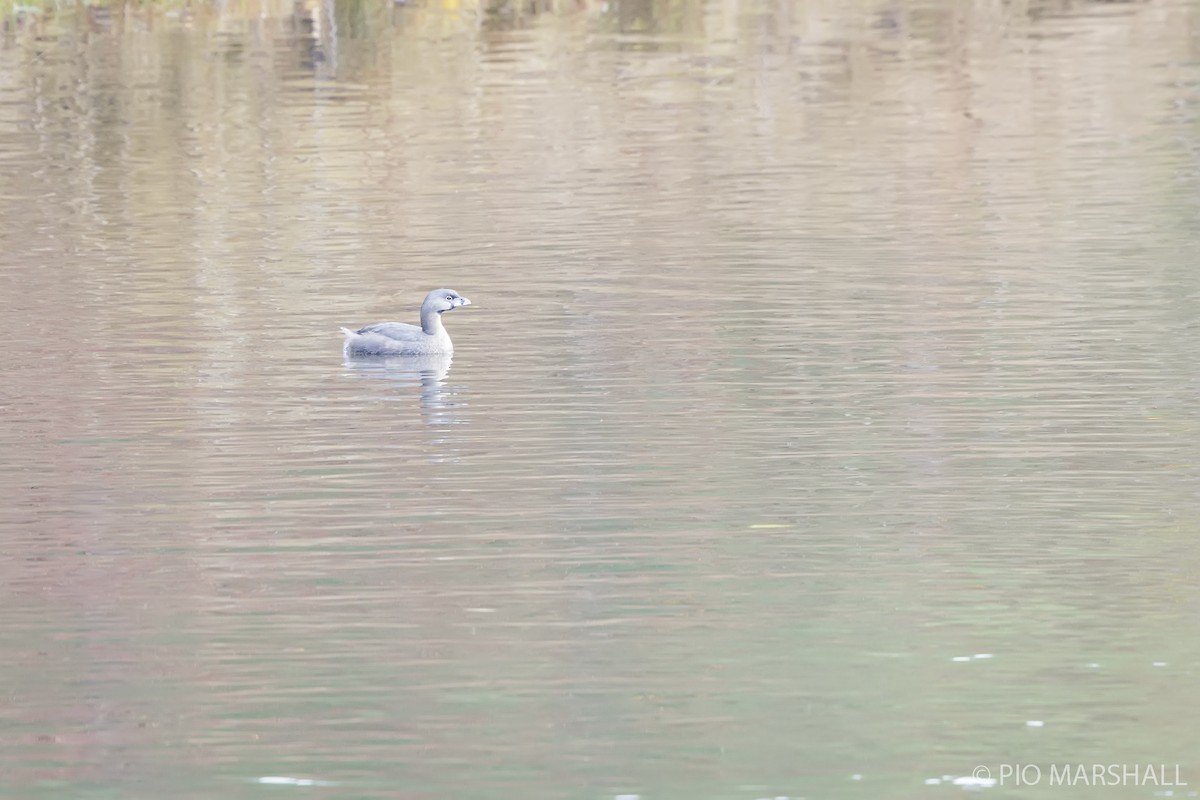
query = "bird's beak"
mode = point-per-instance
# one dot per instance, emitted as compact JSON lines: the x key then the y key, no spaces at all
{"x":462,"y":301}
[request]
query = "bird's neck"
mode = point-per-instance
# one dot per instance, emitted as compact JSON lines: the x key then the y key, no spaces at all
{"x":431,"y":322}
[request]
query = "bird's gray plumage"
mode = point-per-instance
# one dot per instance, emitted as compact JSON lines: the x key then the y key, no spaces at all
{"x":402,"y":339}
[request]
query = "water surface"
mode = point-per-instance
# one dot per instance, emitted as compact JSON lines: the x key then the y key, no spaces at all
{"x":816,"y":350}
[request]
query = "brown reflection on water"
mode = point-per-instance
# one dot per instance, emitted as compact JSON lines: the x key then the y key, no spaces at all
{"x":814,"y":345}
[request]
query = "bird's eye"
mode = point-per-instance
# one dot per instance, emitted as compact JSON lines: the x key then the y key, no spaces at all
{"x":449,"y":297}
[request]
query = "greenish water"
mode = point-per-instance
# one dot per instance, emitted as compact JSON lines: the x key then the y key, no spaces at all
{"x":825,"y":414}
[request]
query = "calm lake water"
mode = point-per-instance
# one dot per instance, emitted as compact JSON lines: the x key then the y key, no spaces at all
{"x":824,"y":423}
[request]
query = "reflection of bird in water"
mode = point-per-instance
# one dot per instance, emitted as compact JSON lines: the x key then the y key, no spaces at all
{"x":402,"y":339}
{"x":427,"y":372}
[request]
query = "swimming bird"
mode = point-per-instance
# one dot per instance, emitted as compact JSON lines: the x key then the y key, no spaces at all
{"x":402,"y":339}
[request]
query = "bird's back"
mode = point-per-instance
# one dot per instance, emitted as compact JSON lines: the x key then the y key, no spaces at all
{"x":395,"y":339}
{"x":401,"y":331}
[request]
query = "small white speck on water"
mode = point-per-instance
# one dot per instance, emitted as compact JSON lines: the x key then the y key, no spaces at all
{"x":279,"y":780}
